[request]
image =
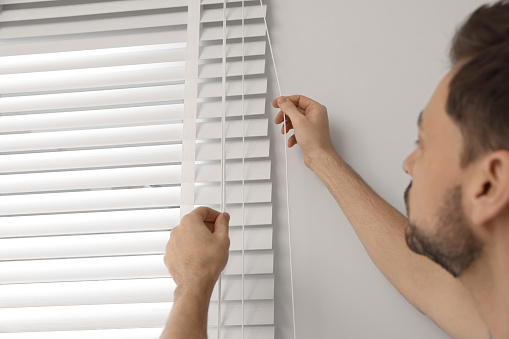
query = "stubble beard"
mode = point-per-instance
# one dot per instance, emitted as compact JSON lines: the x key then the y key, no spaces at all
{"x":452,"y":245}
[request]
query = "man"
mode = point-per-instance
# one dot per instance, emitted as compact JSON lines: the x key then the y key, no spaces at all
{"x":458,"y":202}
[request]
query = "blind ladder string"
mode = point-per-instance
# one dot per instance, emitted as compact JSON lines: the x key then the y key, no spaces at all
{"x":286,"y":171}
{"x":243,"y":164}
{"x":223,"y":160}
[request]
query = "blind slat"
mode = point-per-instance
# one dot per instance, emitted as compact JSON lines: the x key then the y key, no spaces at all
{"x":235,"y":332}
{"x":235,"y":171}
{"x":124,"y":97}
{"x":86,"y":43}
{"x":253,"y":193}
{"x":125,"y":116}
{"x":231,"y":332}
{"x":168,"y":36}
{"x":62,"y":318}
{"x":233,"y":149}
{"x":104,"y":268}
{"x":125,"y":135}
{"x":215,"y":70}
{"x":214,"y":109}
{"x":234,"y":13}
{"x":59,"y":9}
{"x":211,"y":2}
{"x":15,"y":2}
{"x":127,"y":199}
{"x":38,"y":29}
{"x":128,"y":156}
{"x":89,"y":201}
{"x":232,"y":32}
{"x":90,"y":138}
{"x":251,"y":48}
{"x":96,"y":78}
{"x":232,"y":129}
{"x":120,"y":57}
{"x":90,"y":179}
{"x":95,"y":58}
{"x":101,"y":24}
{"x":73,"y":100}
{"x":256,"y":287}
{"x":233,"y":87}
{"x":92,"y":118}
{"x":125,"y":177}
{"x":116,"y":244}
{"x":120,"y":221}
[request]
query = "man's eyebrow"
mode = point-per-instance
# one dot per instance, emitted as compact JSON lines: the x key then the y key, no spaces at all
{"x":419,"y":121}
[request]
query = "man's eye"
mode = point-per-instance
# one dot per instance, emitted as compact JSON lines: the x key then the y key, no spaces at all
{"x":417,"y":142}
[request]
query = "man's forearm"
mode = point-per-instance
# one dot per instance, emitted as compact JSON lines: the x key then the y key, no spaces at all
{"x":188,"y":316}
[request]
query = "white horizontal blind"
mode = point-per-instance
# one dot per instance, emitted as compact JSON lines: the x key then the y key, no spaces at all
{"x":110,"y":131}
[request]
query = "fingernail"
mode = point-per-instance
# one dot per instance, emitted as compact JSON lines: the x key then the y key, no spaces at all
{"x":281,"y":100}
{"x":227,"y":216}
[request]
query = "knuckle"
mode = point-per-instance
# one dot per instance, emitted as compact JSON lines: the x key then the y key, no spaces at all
{"x":185,"y":219}
{"x":174,"y":232}
{"x":199,"y":209}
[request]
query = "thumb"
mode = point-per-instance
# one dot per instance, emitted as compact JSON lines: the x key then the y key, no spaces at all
{"x":289,"y":109}
{"x":221,"y":226}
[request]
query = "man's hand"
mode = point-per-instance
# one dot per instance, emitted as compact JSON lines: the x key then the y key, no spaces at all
{"x":195,"y":256}
{"x":311,"y":125}
{"x":197,"y":251}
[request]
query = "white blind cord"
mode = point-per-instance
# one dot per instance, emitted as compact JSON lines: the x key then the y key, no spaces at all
{"x":243,"y":163}
{"x":223,"y":160}
{"x":286,"y":172}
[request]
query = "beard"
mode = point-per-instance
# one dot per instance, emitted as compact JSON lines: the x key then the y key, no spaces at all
{"x":452,"y":245}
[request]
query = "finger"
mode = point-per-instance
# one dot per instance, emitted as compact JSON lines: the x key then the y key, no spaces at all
{"x":210,"y":226}
{"x":290,"y":110}
{"x":279,"y":118}
{"x":289,"y":126}
{"x":292,"y":141}
{"x":221,"y":225}
{"x":204,"y":214}
{"x":303,"y":102}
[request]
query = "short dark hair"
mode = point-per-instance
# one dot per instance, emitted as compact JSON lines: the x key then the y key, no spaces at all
{"x":479,"y":91}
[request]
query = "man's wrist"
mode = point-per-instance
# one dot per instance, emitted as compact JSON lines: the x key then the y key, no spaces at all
{"x":323,"y":160}
{"x":195,"y":289}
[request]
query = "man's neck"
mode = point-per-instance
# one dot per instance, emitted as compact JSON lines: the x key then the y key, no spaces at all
{"x":488,"y":281}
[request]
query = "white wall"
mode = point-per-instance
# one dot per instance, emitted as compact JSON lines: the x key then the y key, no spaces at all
{"x":374,"y":64}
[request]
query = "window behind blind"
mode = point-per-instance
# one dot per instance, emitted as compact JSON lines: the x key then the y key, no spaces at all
{"x":110,"y":130}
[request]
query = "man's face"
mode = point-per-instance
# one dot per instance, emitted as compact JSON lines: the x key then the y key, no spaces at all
{"x":438,"y":226}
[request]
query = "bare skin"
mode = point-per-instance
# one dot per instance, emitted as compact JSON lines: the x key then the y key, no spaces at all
{"x":465,"y":307}
{"x":196,"y":254}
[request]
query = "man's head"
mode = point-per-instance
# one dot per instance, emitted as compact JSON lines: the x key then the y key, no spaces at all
{"x":460,"y":168}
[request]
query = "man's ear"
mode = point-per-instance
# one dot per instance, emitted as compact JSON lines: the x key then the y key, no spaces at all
{"x":490,"y":187}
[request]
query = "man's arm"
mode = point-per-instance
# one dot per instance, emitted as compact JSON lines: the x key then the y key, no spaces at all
{"x":188,"y":316}
{"x":380,"y":227}
{"x":196,"y":254}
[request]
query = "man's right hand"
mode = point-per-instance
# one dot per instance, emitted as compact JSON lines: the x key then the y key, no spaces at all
{"x":197,"y":251}
{"x":309,"y":120}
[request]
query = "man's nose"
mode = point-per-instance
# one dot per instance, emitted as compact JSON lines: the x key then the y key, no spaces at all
{"x":408,"y":164}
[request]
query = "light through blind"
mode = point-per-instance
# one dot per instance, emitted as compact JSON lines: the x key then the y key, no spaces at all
{"x":110,"y":130}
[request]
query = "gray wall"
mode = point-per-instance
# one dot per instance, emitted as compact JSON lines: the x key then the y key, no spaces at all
{"x":374,"y":64}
